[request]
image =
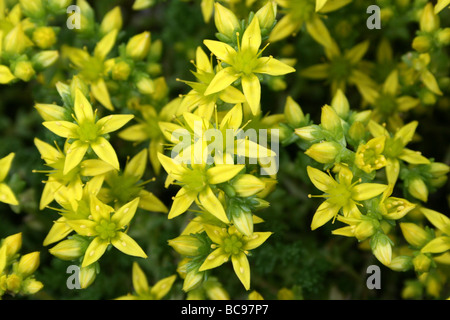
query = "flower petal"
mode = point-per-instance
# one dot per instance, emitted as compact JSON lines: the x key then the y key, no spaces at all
{"x":213,"y":205}
{"x":365,"y":191}
{"x":320,"y":179}
{"x":324,"y":213}
{"x":125,"y":214}
{"x":127,"y":245}
{"x":223,"y":173}
{"x":75,"y":154}
{"x":7,"y":196}
{"x":242,"y":268}
{"x":272,"y":66}
{"x":181,"y":202}
{"x":222,"y":80}
{"x":252,"y":91}
{"x":94,"y":251}
{"x":106,"y":152}
{"x":214,"y":260}
{"x":63,"y":129}
{"x":83,"y":108}
{"x":113,"y":122}
{"x":221,"y":50}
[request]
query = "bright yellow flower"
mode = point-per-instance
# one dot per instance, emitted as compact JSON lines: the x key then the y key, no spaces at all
{"x":196,"y":183}
{"x":340,"y":194}
{"x":244,"y":64}
{"x":107,"y":228}
{"x":93,"y":68}
{"x":229,"y":243}
{"x":395,"y":148}
{"x":88,"y":133}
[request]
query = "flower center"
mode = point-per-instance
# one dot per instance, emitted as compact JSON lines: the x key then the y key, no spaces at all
{"x":106,"y":229}
{"x":232,"y":245}
{"x":88,"y":131}
{"x":245,"y":62}
{"x":195,"y":180}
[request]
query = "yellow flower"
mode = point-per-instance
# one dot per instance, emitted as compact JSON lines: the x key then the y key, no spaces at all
{"x":244,"y":64}
{"x":87,"y":133}
{"x":343,"y":68}
{"x":127,"y":185}
{"x":107,"y":228}
{"x":299,"y":12}
{"x":229,"y":243}
{"x":142,"y":289}
{"x":93,"y":68}
{"x":340,"y":194}
{"x":395,"y":148}
{"x":6,"y":194}
{"x":196,"y":100}
{"x":196,"y":182}
{"x":148,"y":129}
{"x":369,"y":156}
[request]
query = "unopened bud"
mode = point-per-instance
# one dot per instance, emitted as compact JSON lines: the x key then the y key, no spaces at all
{"x":324,"y":152}
{"x":70,"y":249}
{"x":293,"y":112}
{"x":44,"y":37}
{"x":186,"y":245}
{"x":28,"y":264}
{"x":421,"y":263}
{"x":225,"y":20}
{"x":444,"y":36}
{"x":414,"y":235}
{"x":266,"y":15}
{"x":24,"y":70}
{"x":121,"y":71}
{"x":421,"y":44}
{"x":429,"y":21}
{"x":139,"y":46}
{"x":418,"y":189}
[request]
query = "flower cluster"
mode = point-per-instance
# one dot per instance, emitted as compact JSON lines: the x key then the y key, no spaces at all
{"x":16,"y":270}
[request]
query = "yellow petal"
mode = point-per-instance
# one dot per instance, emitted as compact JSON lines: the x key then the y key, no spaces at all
{"x":137,"y":165}
{"x":223,"y":173}
{"x":58,"y":231}
{"x":212,"y":204}
{"x":355,"y":54}
{"x":222,"y":80}
{"x":162,"y":287}
{"x":287,"y":26}
{"x":113,"y":122}
{"x":125,"y":214}
{"x":214,"y":260}
{"x":5,"y":165}
{"x":5,"y":75}
{"x":7,"y":196}
{"x":135,"y":132}
{"x":150,"y":202}
{"x":273,"y":67}
{"x":94,"y":251}
{"x":324,"y":213}
{"x":320,"y":179}
{"x":317,"y":72}
{"x":127,"y":245}
{"x":251,"y":40}
{"x":252,"y":91}
{"x":437,"y":245}
{"x":365,"y":191}
{"x":106,"y":152}
{"x":101,"y":93}
{"x":140,"y":283}
{"x":182,"y":201}
{"x":257,"y":239}
{"x":74,"y":155}
{"x":222,"y":51}
{"x":105,"y":45}
{"x":63,"y":129}
{"x":242,"y":269}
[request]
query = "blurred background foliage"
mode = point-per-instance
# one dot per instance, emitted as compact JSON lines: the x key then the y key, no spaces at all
{"x":315,"y":265}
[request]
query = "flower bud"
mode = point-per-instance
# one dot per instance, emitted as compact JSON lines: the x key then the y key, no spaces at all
{"x":438,"y":169}
{"x":418,"y":189}
{"x":247,"y":185}
{"x":51,"y":112}
{"x":138,"y":46}
{"x":193,"y":280}
{"x":329,"y":119}
{"x":266,"y":15}
{"x":364,"y":230}
{"x":16,"y":41}
{"x":382,"y":249}
{"x":324,"y":152}
{"x":308,"y":133}
{"x":444,"y":36}
{"x":414,"y":235}
{"x":215,"y":291}
{"x":13,"y":283}
{"x":13,"y":244}
{"x":121,"y":71}
{"x":186,"y":245}
{"x":33,"y":8}
{"x":225,"y":20}
{"x":87,"y":275}
{"x":68,"y":250}
{"x":146,"y":86}
{"x":243,"y":221}
{"x":28,"y":264}
{"x":45,"y":59}
{"x":340,"y":104}
{"x":400,"y":263}
{"x":24,"y":70}
{"x":58,"y":5}
{"x":143,"y":4}
{"x":421,"y":44}
{"x":429,"y":21}
{"x":44,"y":37}
{"x":254,"y":295}
{"x":293,"y":113}
{"x":421,"y":263}
{"x":111,"y":21}
{"x":31,"y":286}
